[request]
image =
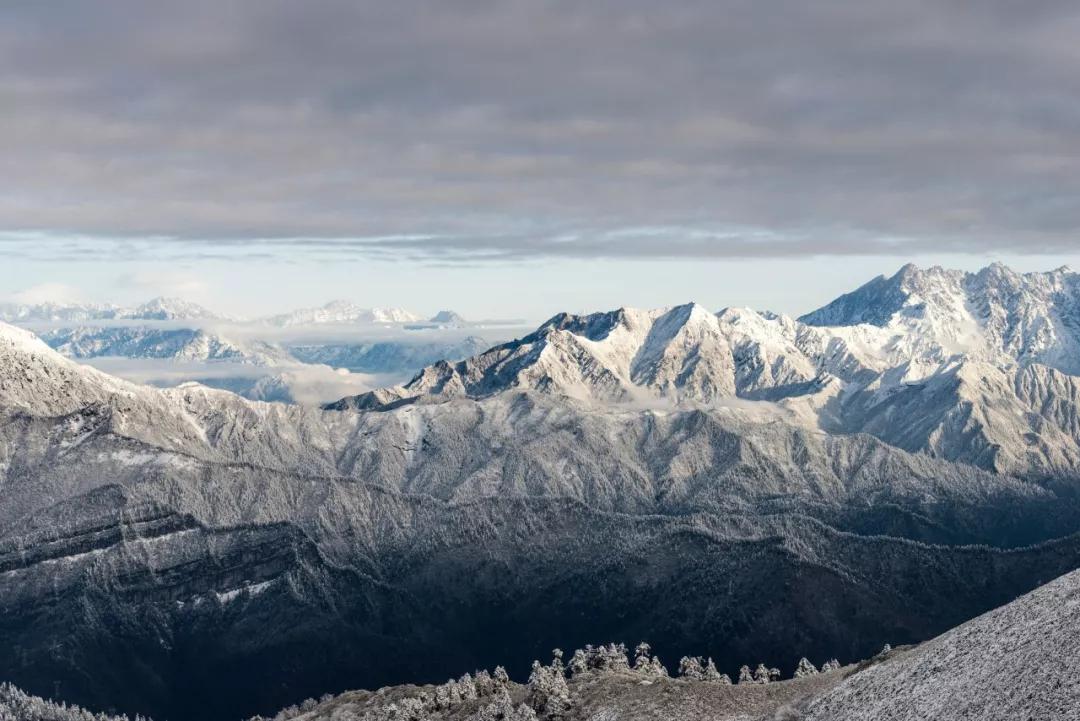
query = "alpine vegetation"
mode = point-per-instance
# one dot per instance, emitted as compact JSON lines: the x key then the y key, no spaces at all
{"x":600,"y":674}
{"x":18,"y":706}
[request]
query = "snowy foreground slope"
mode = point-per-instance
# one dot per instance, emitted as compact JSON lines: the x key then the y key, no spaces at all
{"x":736,"y":485}
{"x":1021,"y":661}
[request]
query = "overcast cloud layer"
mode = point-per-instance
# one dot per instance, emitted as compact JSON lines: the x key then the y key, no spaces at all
{"x":456,"y":131}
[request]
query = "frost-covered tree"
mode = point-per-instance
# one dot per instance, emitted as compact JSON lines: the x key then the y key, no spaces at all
{"x":18,"y":706}
{"x":609,"y":658}
{"x":712,"y":674}
{"x":613,"y":657}
{"x":642,"y":657}
{"x":500,"y":676}
{"x":503,"y":709}
{"x":548,"y":693}
{"x":885,"y":649}
{"x":647,"y":664}
{"x":805,"y":668}
{"x":466,"y":688}
{"x":693,"y":667}
{"x":443,"y":700}
{"x":763,"y":674}
{"x":407,"y":709}
{"x":690,"y":667}
{"x":579,"y":662}
{"x":745,"y":676}
{"x":485,"y":684}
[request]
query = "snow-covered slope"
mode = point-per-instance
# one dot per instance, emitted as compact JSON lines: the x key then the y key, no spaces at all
{"x":642,"y":460}
{"x":148,"y":342}
{"x":1020,"y":661}
{"x":680,"y":353}
{"x":994,"y":315}
{"x":36,"y":379}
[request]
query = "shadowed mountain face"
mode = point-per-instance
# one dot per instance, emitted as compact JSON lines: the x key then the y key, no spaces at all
{"x":1015,"y":662}
{"x":736,"y":485}
{"x":158,"y":614}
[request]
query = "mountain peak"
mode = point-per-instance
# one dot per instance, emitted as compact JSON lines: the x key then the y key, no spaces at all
{"x":874,"y":303}
{"x":339,"y":303}
{"x":447,"y":317}
{"x":168,"y":308}
{"x":907,"y":270}
{"x":343,"y":312}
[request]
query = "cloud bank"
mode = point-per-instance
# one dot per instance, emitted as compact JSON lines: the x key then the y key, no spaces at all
{"x":473,"y":130}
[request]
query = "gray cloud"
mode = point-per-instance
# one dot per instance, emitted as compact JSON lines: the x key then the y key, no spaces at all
{"x":481,"y":130}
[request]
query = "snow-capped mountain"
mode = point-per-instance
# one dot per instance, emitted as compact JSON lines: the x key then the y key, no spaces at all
{"x":343,"y":312}
{"x":48,"y":312}
{"x":551,"y":490}
{"x":996,"y":314}
{"x":158,"y":309}
{"x":977,"y":365}
{"x":168,"y":309}
{"x":147,"y":342}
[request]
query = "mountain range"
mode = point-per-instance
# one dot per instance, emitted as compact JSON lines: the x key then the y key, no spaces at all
{"x":177,"y":309}
{"x":735,"y":484}
{"x":158,"y":309}
{"x":289,"y":358}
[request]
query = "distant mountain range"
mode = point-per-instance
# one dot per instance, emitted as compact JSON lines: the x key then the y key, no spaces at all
{"x":736,"y":484}
{"x":341,"y":312}
{"x":158,"y":309}
{"x":262,"y":365}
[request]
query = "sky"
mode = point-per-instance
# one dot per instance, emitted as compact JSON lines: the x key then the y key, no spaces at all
{"x":518,"y":158}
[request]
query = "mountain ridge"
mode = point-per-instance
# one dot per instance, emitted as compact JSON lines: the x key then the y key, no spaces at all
{"x":562,"y":483}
